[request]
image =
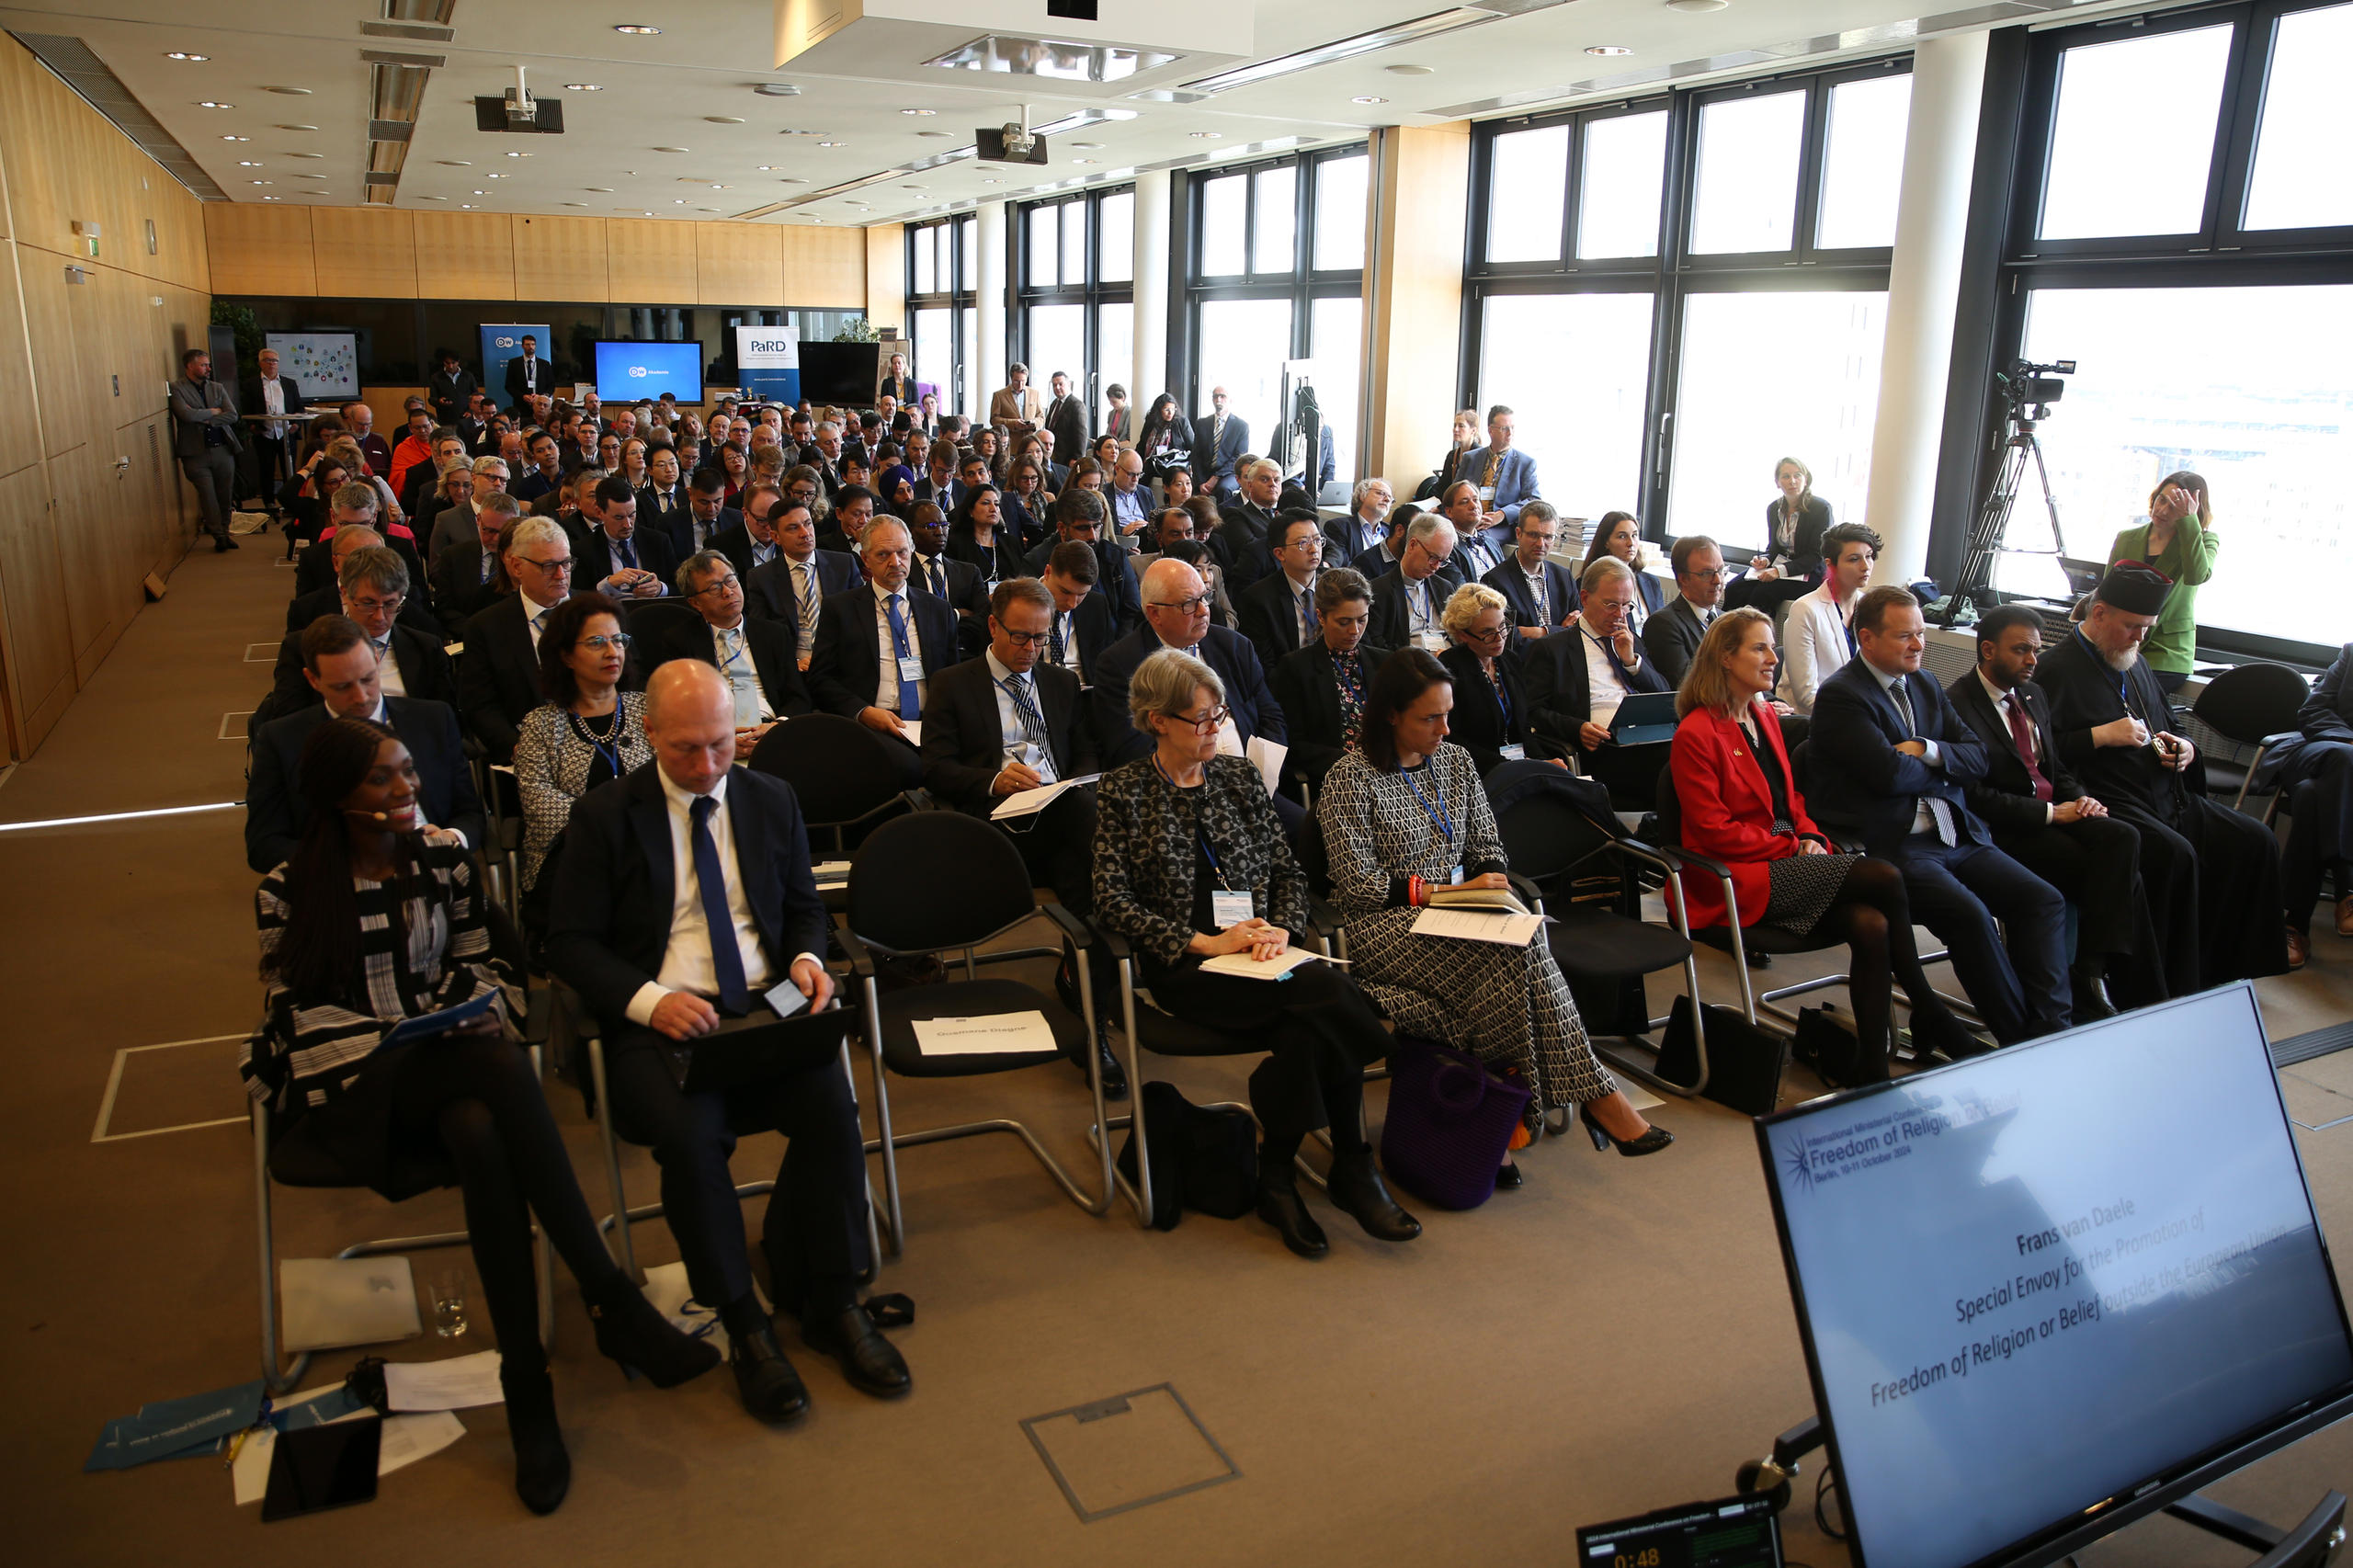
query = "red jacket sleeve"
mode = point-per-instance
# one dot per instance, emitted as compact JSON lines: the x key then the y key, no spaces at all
{"x":1702,"y":762}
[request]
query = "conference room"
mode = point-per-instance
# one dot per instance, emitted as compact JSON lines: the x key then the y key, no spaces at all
{"x":1597,"y":753}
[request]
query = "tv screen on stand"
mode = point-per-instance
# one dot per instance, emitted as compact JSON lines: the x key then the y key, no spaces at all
{"x":628,"y":371}
{"x":845,"y":373}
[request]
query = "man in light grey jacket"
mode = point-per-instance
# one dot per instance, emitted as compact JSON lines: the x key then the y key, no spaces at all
{"x":204,"y":438}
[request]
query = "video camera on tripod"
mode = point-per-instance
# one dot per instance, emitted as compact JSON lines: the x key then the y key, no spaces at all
{"x":2027,"y":385}
{"x":2027,"y":391}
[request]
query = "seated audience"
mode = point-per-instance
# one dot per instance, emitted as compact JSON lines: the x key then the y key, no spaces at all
{"x":1404,"y":813}
{"x":1321,"y":687}
{"x":759,"y":659}
{"x":341,"y":668}
{"x":2112,"y":720}
{"x":1741,"y":805}
{"x":318,"y":571}
{"x":1490,"y":716}
{"x":1365,"y":526}
{"x":979,"y":536}
{"x":1674,"y":633}
{"x":1888,"y":758}
{"x":1460,"y":443}
{"x":547,"y":468}
{"x":1408,"y":599}
{"x":588,"y":732}
{"x":1177,"y":615}
{"x":1820,"y":637}
{"x":1504,"y":475}
{"x":956,"y":584}
{"x":375,"y":584}
{"x":1082,"y":625}
{"x":2315,"y":775}
{"x":665,"y":936}
{"x":661,"y":502}
{"x":1541,"y":594}
{"x":1792,"y":559}
{"x":1130,"y":496}
{"x":1191,"y":863}
{"x":457,"y":523}
{"x":751,"y":543}
{"x":1576,"y":680}
{"x":1081,"y":517}
{"x":1246,"y":526}
{"x":1478,"y":550}
{"x":2132,"y":907}
{"x":792,"y":588}
{"x":1196,"y":554}
{"x":1376,"y":562}
{"x":367,"y":923}
{"x":708,"y":514}
{"x":879,"y":644}
{"x":1277,"y":611}
{"x":616,"y":559}
{"x":1619,"y":535}
{"x":466,"y":577}
{"x":498,"y":672}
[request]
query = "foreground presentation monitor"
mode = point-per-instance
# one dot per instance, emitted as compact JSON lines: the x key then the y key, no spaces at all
{"x":2056,"y":1286}
{"x":627,"y":372}
{"x":845,"y":373}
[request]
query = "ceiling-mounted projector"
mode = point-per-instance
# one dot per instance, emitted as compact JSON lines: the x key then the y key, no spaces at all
{"x":516,"y":109}
{"x":1012,"y":143}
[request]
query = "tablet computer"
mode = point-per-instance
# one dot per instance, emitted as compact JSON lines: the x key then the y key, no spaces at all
{"x":1644,"y":717}
{"x":747,"y":1051}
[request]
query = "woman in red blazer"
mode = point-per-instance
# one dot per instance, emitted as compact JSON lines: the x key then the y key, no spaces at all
{"x":1740,"y":806}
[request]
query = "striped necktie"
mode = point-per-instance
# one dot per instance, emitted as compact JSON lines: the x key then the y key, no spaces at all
{"x":1033,"y":724}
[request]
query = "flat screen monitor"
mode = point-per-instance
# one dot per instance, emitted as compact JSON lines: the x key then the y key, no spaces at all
{"x":627,"y":372}
{"x":2048,"y":1289}
{"x":848,"y":374}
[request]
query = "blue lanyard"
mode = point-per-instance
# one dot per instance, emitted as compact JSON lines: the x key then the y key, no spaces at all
{"x":1503,"y":697}
{"x":610,"y":750}
{"x":1437,"y":813}
{"x":2124,"y":691}
{"x":1200,"y":833}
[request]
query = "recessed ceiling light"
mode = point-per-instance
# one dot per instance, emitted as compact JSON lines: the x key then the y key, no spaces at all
{"x":481,"y":193}
{"x":208,"y":102}
{"x":1407,"y":70}
{"x":706,"y":209}
{"x":269,"y":198}
{"x":674,"y":149}
{"x":1087,"y":160}
{"x":300,"y":174}
{"x":991,"y":182}
{"x":947,"y":133}
{"x":265,"y":182}
{"x":677,"y":202}
{"x":723,"y":119}
{"x":605,"y":188}
{"x":433,"y":199}
{"x":722,"y":188}
{"x":777,"y":90}
{"x":1208,"y":135}
{"x":1367,"y":99}
{"x":455,"y":162}
{"x":793,"y":179}
{"x":289,"y":91}
{"x":769,"y":168}
{"x":911,"y":187}
{"x":494,"y":176}
{"x":248,"y":163}
{"x":582,"y":88}
{"x":236,"y":139}
{"x":298,"y":128}
{"x":833,"y":143}
{"x":1608,"y":49}
{"x":1695,"y":7}
{"x":183,"y":55}
{"x":925,"y":112}
{"x":467,"y":205}
{"x":634,"y":28}
{"x":575,"y":204}
{"x":306,"y":155}
{"x":519,"y":155}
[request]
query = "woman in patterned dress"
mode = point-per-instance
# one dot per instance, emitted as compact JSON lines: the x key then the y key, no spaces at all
{"x":1191,"y":863}
{"x":1405,"y":812}
{"x":588,"y":732}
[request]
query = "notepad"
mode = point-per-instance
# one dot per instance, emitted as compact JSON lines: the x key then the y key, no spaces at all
{"x":1030,"y":802}
{"x":1268,"y":758}
{"x":998,"y":1034}
{"x":1498,"y":901}
{"x":1244,"y":966}
{"x":425,"y":1025}
{"x":1479,"y":926}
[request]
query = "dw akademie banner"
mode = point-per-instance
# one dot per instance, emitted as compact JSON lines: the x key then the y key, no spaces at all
{"x":768,"y":359}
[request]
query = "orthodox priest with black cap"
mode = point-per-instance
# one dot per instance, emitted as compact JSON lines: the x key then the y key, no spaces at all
{"x":2114,"y":730}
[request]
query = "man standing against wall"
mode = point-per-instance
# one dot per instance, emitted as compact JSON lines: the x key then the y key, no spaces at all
{"x":204,"y":438}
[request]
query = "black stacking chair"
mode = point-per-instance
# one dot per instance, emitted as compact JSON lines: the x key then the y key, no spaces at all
{"x":2250,"y":705}
{"x":848,"y":778}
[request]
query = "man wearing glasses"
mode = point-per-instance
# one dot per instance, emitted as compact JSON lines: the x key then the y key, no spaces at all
{"x":1673,"y":634}
{"x":458,"y":525}
{"x":1080,"y":517}
{"x":1409,"y":600}
{"x":374,"y":585}
{"x":756,"y":658}
{"x":1277,"y":611}
{"x":1177,"y":615}
{"x":1542,"y":594}
{"x":499,"y":668}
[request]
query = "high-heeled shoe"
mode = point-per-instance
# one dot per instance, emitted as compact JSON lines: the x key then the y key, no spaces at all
{"x":630,"y":1331}
{"x":1650,"y":1143}
{"x":542,"y":1466}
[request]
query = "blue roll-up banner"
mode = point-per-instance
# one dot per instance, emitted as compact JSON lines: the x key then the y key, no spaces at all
{"x":768,"y":359}
{"x":502,"y":341}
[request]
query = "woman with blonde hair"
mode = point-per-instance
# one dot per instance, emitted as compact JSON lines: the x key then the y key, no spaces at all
{"x":1740,"y":806}
{"x":1490,"y":716}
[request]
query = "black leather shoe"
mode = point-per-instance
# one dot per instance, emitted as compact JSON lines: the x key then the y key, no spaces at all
{"x":1508,"y":1179}
{"x":1942,"y":1032}
{"x":872,"y":1363}
{"x":1650,"y":1143}
{"x":2090,"y":996}
{"x":630,"y":1331}
{"x":1280,"y":1206}
{"x":1356,"y":1189}
{"x":772,"y":1391}
{"x":542,"y":1467}
{"x":1115,"y":1077}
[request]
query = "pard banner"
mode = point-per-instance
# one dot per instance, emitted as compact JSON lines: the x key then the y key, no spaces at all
{"x":768,"y":359}
{"x":502,"y":341}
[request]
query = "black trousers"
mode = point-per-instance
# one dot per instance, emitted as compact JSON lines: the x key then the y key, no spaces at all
{"x":1322,"y":1031}
{"x":478,"y":1103}
{"x":2234,"y":886}
{"x":1057,"y":847}
{"x":2320,"y":826}
{"x":2096,"y":864}
{"x":815,"y":1231}
{"x":271,"y":455}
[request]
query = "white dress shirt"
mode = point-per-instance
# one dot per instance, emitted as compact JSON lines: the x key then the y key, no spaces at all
{"x":733,"y":653}
{"x":1540,"y":594}
{"x":1302,"y":608}
{"x":886,"y":684}
{"x":1604,"y":689}
{"x":388,"y":669}
{"x":273,"y":400}
{"x":535,"y":619}
{"x":1066,"y":623}
{"x":2003,"y":702}
{"x":687,"y":963}
{"x":1923,"y":816}
{"x":1013,"y":739}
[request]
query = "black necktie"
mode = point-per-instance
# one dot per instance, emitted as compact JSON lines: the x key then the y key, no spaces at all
{"x":710,"y":881}
{"x":628,"y":551}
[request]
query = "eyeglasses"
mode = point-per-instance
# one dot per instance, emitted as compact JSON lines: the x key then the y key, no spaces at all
{"x":598,"y":644}
{"x":1213,"y":719}
{"x":1718,"y":574}
{"x":551,"y":568}
{"x":386,"y":606}
{"x":716,"y":586}
{"x":1026,"y":639}
{"x":1200,"y":602}
{"x":1484,"y":633}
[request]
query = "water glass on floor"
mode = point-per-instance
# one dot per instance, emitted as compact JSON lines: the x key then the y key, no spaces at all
{"x":448,"y":1302}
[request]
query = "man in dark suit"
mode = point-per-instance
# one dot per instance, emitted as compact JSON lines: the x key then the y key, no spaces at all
{"x":1065,"y":419}
{"x":1081,"y":517}
{"x":1082,"y":625}
{"x":1365,"y":526}
{"x":1307,"y":683}
{"x":689,"y":832}
{"x":1890,"y":758}
{"x":340,"y":669}
{"x":465,"y":576}
{"x":1673,"y":634}
{"x":1277,"y":611}
{"x":1177,"y":615}
{"x":757,"y":658}
{"x":450,"y":388}
{"x":1478,"y":550}
{"x":959,"y":584}
{"x":710,"y":517}
{"x":792,"y":589}
{"x":1220,"y":439}
{"x":2041,"y":818}
{"x":1409,"y":599}
{"x":2113,"y":723}
{"x":528,"y":374}
{"x":498,"y":670}
{"x":375,"y":584}
{"x":1539,"y":593}
{"x":1576,"y":680}
{"x":661,"y":504}
{"x":1243,"y":542}
{"x":854,"y":508}
{"x":269,"y":392}
{"x":616,"y":558}
{"x":547,"y":469}
{"x":1008,"y":721}
{"x":318,"y":570}
{"x":750,"y":541}
{"x":205,"y":439}
{"x":878,"y":645}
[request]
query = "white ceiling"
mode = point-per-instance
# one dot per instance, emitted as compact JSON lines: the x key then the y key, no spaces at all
{"x":311,"y":147}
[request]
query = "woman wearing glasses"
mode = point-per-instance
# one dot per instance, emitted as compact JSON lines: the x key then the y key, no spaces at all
{"x":1405,"y":812}
{"x":1490,"y":717}
{"x":977,"y":534}
{"x":1191,"y":864}
{"x":589,"y":732}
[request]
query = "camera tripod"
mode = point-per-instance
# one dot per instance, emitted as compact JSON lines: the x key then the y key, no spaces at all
{"x":2018,"y":447}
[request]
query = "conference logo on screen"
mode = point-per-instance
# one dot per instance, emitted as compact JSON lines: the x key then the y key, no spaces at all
{"x":1860,"y":1148}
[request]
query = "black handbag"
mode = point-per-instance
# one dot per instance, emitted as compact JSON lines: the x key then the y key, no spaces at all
{"x":1826,"y":1043}
{"x":1202,"y":1157}
{"x":1744,"y":1061}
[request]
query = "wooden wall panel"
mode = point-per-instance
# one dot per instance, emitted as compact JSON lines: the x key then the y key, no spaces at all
{"x":886,"y":272}
{"x":64,"y":410}
{"x":739,"y":264}
{"x":561,"y":258}
{"x":259,"y":250}
{"x":365,"y":252}
{"x":32,"y":105}
{"x":40,"y":647}
{"x":824,"y":268}
{"x":650,"y":261}
{"x":20,"y":440}
{"x":464,"y":255}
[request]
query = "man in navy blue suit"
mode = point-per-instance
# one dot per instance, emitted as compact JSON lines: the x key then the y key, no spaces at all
{"x":795,"y":585}
{"x":878,"y":645}
{"x":1219,"y":440}
{"x":1542,"y":594}
{"x":1890,"y":757}
{"x":1504,"y":475}
{"x":1177,"y":615}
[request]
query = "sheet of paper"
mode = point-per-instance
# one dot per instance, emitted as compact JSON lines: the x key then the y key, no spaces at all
{"x":668,"y":1292}
{"x":1268,"y":758}
{"x":1470,"y":926}
{"x":1028,"y":802}
{"x":913,"y":730}
{"x":457,"y":1383}
{"x":407,"y":1438}
{"x":1247,"y":968}
{"x":1002,"y":1034}
{"x":830,"y":873}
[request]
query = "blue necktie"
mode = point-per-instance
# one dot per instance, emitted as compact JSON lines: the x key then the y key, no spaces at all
{"x":1618,"y":666}
{"x":626,"y":551}
{"x":726,"y":957}
{"x":908,"y":707}
{"x":1058,"y":658}
{"x":1939,"y":811}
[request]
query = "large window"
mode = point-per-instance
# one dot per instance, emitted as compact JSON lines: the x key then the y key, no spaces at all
{"x":943,"y":280}
{"x":1076,"y":261}
{"x":1275,"y":274}
{"x":2192,"y":264}
{"x":1674,"y":293}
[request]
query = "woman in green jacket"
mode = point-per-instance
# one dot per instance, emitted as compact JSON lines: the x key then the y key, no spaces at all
{"x":2179,"y":540}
